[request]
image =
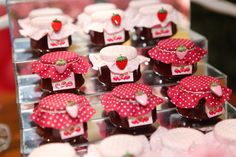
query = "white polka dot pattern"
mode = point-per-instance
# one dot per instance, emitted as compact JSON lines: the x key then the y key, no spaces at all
{"x":193,"y":88}
{"x":61,"y":120}
{"x":45,"y":67}
{"x":165,"y":51}
{"x":127,"y":92}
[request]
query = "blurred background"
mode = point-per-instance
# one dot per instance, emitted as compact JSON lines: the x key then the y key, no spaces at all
{"x":214,"y":19}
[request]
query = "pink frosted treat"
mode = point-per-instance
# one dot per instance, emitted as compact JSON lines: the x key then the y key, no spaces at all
{"x":118,"y":65}
{"x":63,"y":118}
{"x":131,"y":106}
{"x":120,"y":146}
{"x":199,"y":97}
{"x":54,"y":150}
{"x":61,"y":71}
{"x":48,"y":29}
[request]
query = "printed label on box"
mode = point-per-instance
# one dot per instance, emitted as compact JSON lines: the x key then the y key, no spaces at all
{"x":214,"y":111}
{"x":126,"y":77}
{"x":68,"y":83}
{"x":72,"y":131}
{"x":158,"y":32}
{"x":141,"y":120}
{"x":181,"y":70}
{"x":57,"y":43}
{"x":114,"y":38}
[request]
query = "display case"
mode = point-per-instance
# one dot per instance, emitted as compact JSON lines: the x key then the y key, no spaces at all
{"x":99,"y":127}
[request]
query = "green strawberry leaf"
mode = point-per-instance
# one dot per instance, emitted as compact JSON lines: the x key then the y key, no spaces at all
{"x":181,"y":48}
{"x":61,"y":62}
{"x":121,"y":58}
{"x":128,"y":155}
{"x":162,"y":10}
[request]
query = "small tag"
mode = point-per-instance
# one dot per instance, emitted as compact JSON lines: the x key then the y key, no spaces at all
{"x":114,"y":38}
{"x":181,"y":70}
{"x":68,"y":83}
{"x":214,"y":111}
{"x":57,"y":43}
{"x":161,"y":31}
{"x":141,"y":120}
{"x":72,"y":131}
{"x":126,"y":77}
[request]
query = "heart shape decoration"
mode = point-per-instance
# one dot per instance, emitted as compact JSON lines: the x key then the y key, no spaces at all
{"x":216,"y":89}
{"x":61,"y":66}
{"x":181,"y":52}
{"x":72,"y":108}
{"x":141,"y":98}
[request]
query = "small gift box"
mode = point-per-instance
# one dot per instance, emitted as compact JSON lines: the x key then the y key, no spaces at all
{"x":199,"y":97}
{"x":48,"y":31}
{"x":61,"y":117}
{"x":176,"y":58}
{"x":61,"y":71}
{"x":120,"y":146}
{"x":131,"y":106}
{"x":108,"y":28}
{"x":155,"y":22}
{"x":118,"y":65}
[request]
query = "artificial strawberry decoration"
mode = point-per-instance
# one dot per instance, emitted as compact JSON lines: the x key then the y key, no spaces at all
{"x":128,"y":155}
{"x":141,"y":98}
{"x":72,"y":109}
{"x":61,"y":66}
{"x":181,"y":52}
{"x":121,"y":62}
{"x":216,"y":89}
{"x":116,"y":19}
{"x":56,"y":25}
{"x":162,"y":14}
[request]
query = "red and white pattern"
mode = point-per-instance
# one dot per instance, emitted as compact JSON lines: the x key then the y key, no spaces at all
{"x":193,"y":88}
{"x":51,"y":111}
{"x":122,"y":99}
{"x":46,"y":68}
{"x":165,"y":51}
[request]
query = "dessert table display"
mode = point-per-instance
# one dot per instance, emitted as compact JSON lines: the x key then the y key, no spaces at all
{"x":103,"y":73}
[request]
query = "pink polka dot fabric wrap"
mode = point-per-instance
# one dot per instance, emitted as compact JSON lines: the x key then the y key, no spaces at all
{"x":45,"y":66}
{"x":51,"y":111}
{"x":193,"y":88}
{"x":122,"y":100}
{"x":165,"y":51}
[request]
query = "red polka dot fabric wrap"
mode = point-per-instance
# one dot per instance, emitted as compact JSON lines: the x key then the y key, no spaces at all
{"x":124,"y":100}
{"x":177,"y":52}
{"x":53,"y":111}
{"x":45,"y":67}
{"x":193,"y":88}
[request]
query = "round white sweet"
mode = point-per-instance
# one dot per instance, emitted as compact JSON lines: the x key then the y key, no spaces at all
{"x":110,"y":53}
{"x":54,"y":150}
{"x":225,"y":131}
{"x":45,"y":12}
{"x":182,"y":138}
{"x":119,"y":145}
{"x":90,"y":9}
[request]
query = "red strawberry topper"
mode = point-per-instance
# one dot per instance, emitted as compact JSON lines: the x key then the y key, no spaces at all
{"x":162,"y":14}
{"x":121,"y":62}
{"x":116,"y":19}
{"x":56,"y":25}
{"x":216,"y":89}
{"x":61,"y":66}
